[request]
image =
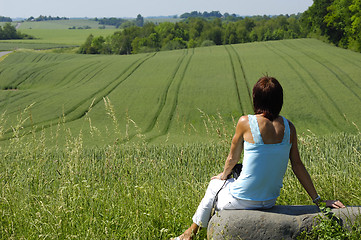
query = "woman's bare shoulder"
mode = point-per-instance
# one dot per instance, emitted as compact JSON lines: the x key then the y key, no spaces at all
{"x":243,"y":124}
{"x":292,"y":130}
{"x":292,"y":127}
{"x":243,"y":121}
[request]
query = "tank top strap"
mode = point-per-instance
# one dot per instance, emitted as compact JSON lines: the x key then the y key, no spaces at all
{"x":287,"y":134}
{"x":256,"y":134}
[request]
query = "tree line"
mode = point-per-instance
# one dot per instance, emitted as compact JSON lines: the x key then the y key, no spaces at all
{"x":46,"y":18}
{"x":120,"y":22}
{"x":5,"y":19}
{"x":8,"y":31}
{"x":337,"y":20}
{"x":214,"y":14}
{"x":194,"y":32}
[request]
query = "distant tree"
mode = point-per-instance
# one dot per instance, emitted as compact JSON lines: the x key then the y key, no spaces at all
{"x":46,"y":18}
{"x":139,"y":21}
{"x":86,"y":47}
{"x":127,"y":24}
{"x":97,"y":44}
{"x":230,"y":34}
{"x":9,"y":32}
{"x":117,"y":22}
{"x":5,"y":19}
{"x":176,"y":43}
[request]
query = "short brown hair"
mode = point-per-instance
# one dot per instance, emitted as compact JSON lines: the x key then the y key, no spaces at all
{"x":267,"y":97}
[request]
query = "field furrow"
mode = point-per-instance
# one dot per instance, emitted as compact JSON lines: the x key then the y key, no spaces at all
{"x":338,"y":77}
{"x":249,"y":91}
{"x":79,"y":109}
{"x":164,"y":96}
{"x":74,"y":73}
{"x":8,"y":97}
{"x":24,"y":74}
{"x":245,"y":91}
{"x":166,"y":116}
{"x":179,"y":95}
{"x":298,"y":68}
{"x":90,"y":75}
{"x":334,"y":68}
{"x":175,"y":103}
{"x":235,"y":81}
{"x":352,"y":58}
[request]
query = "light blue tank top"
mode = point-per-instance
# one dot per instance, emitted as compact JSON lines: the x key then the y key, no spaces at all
{"x":264,"y":166}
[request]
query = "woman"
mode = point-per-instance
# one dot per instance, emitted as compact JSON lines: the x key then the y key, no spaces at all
{"x":268,"y":140}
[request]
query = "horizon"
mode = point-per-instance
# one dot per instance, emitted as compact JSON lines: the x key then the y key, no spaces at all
{"x":148,"y":9}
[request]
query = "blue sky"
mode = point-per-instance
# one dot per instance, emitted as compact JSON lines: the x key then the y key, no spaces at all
{"x":130,"y":8}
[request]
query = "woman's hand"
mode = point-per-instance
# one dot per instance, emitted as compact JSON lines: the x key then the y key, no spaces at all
{"x":219,"y":176}
{"x":334,"y":204}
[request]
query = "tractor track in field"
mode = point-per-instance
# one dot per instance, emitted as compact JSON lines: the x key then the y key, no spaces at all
{"x":243,"y":73}
{"x":235,"y":81}
{"x":304,"y":82}
{"x":177,"y":84}
{"x":39,"y":76}
{"x":338,"y":55}
{"x":324,"y":62}
{"x":333,"y":103}
{"x":14,"y":98}
{"x":30,"y":73}
{"x":90,"y":75}
{"x":164,"y":96}
{"x":39,"y":58}
{"x":175,"y":103}
{"x":74,"y":73}
{"x":350,"y":88}
{"x":108,"y":89}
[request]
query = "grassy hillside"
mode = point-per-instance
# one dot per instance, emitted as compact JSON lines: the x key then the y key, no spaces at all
{"x":179,"y":96}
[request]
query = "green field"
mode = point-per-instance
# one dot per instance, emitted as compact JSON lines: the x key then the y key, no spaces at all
{"x":60,"y":36}
{"x":62,"y":24}
{"x":173,"y":96}
{"x":57,"y":24}
{"x":55,"y":34}
{"x":123,"y":147}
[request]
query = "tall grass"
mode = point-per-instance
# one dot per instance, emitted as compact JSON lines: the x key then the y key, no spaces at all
{"x":138,"y":190}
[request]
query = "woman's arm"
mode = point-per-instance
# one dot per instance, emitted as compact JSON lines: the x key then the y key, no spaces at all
{"x":236,"y":149}
{"x":301,"y":172}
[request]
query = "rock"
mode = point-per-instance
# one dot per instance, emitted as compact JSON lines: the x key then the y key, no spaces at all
{"x":279,"y":222}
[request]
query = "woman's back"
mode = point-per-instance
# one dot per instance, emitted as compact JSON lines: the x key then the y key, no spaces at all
{"x":271,"y":131}
{"x":266,"y":153}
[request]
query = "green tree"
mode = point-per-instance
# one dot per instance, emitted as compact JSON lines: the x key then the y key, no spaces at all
{"x":355,"y":30}
{"x":313,"y":18}
{"x":338,"y":22}
{"x":86,"y":47}
{"x":139,"y":21}
{"x":230,"y":35}
{"x":9,"y":32}
{"x":97,"y":45}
